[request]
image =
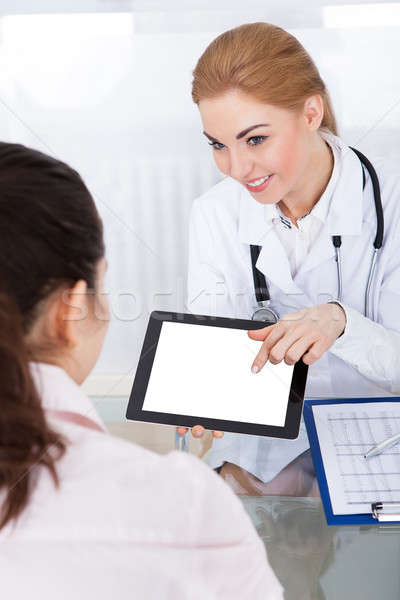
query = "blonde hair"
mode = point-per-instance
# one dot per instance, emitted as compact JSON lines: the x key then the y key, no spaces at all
{"x":264,"y":61}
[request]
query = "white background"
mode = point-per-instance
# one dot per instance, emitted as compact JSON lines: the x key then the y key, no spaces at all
{"x":105,"y":85}
{"x":205,"y":371}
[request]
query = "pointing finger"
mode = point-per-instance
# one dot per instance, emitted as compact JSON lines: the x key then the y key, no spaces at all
{"x":260,"y":359}
{"x":263,"y":354}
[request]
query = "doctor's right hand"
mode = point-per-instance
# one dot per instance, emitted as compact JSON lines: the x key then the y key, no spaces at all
{"x":305,"y":334}
{"x":198,"y":431}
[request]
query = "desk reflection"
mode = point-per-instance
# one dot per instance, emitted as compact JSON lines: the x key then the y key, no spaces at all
{"x":317,"y":562}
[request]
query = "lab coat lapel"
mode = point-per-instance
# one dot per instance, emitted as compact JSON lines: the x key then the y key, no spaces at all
{"x":273,"y":262}
{"x":256,"y":227}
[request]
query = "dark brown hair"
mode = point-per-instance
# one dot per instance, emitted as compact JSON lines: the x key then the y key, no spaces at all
{"x":265,"y":62}
{"x":50,"y":236}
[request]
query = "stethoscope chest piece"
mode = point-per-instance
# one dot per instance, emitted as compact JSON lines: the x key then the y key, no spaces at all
{"x":267,"y":315}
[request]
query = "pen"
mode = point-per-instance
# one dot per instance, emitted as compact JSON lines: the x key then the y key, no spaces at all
{"x":383,"y":445}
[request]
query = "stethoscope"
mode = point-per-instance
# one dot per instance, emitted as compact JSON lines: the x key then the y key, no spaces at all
{"x":265,"y":313}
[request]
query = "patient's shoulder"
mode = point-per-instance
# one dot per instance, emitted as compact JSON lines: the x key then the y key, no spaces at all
{"x":110,"y":487}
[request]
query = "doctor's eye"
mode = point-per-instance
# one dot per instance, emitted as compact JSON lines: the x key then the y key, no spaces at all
{"x":216,"y":145}
{"x":255,"y":140}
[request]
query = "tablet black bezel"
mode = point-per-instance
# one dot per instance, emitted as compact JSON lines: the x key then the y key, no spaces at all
{"x":135,"y":412}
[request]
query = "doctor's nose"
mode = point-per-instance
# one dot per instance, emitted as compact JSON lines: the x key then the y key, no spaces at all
{"x":240,"y":166}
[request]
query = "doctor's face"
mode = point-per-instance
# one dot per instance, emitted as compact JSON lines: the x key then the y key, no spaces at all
{"x":263,"y":147}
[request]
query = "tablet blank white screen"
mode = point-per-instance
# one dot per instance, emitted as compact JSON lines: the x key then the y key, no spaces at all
{"x":205,"y":371}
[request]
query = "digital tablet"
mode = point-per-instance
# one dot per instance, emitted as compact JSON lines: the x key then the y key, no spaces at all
{"x":196,"y":370}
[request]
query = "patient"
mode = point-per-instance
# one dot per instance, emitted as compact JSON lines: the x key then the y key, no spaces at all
{"x":83,"y":514}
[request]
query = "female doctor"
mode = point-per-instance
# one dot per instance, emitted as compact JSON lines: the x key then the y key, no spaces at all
{"x":294,"y":229}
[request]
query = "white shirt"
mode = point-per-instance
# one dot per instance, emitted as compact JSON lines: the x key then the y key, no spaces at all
{"x":365,"y":360}
{"x":127,"y":523}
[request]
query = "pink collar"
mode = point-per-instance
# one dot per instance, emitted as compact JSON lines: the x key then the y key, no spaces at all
{"x":73,"y":417}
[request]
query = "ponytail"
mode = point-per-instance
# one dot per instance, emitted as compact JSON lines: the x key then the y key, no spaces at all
{"x":26,"y":441}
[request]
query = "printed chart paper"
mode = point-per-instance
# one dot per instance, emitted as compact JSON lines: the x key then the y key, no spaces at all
{"x":345,"y":433}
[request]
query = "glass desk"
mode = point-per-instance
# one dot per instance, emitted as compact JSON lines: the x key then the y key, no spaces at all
{"x":317,"y":562}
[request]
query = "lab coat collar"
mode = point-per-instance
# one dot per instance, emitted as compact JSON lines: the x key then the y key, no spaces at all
{"x":256,"y":228}
{"x":58,"y":392}
{"x":274,"y":263}
{"x":345,"y":215}
{"x":255,"y":219}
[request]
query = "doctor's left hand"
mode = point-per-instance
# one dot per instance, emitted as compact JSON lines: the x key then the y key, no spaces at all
{"x":198,"y":431}
{"x":306,"y":334}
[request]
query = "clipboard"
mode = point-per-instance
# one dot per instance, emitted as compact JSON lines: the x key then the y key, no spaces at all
{"x":388,"y":512}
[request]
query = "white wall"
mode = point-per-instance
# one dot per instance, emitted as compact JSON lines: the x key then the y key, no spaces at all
{"x":110,"y":94}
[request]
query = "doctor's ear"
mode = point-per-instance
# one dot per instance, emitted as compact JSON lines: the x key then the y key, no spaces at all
{"x":313,"y":112}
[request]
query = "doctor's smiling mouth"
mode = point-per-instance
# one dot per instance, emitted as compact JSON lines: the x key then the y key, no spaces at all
{"x":258,"y":185}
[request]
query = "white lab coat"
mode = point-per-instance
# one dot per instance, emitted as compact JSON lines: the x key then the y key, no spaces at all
{"x":365,"y":360}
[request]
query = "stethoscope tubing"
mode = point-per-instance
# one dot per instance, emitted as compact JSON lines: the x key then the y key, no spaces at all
{"x":260,"y":284}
